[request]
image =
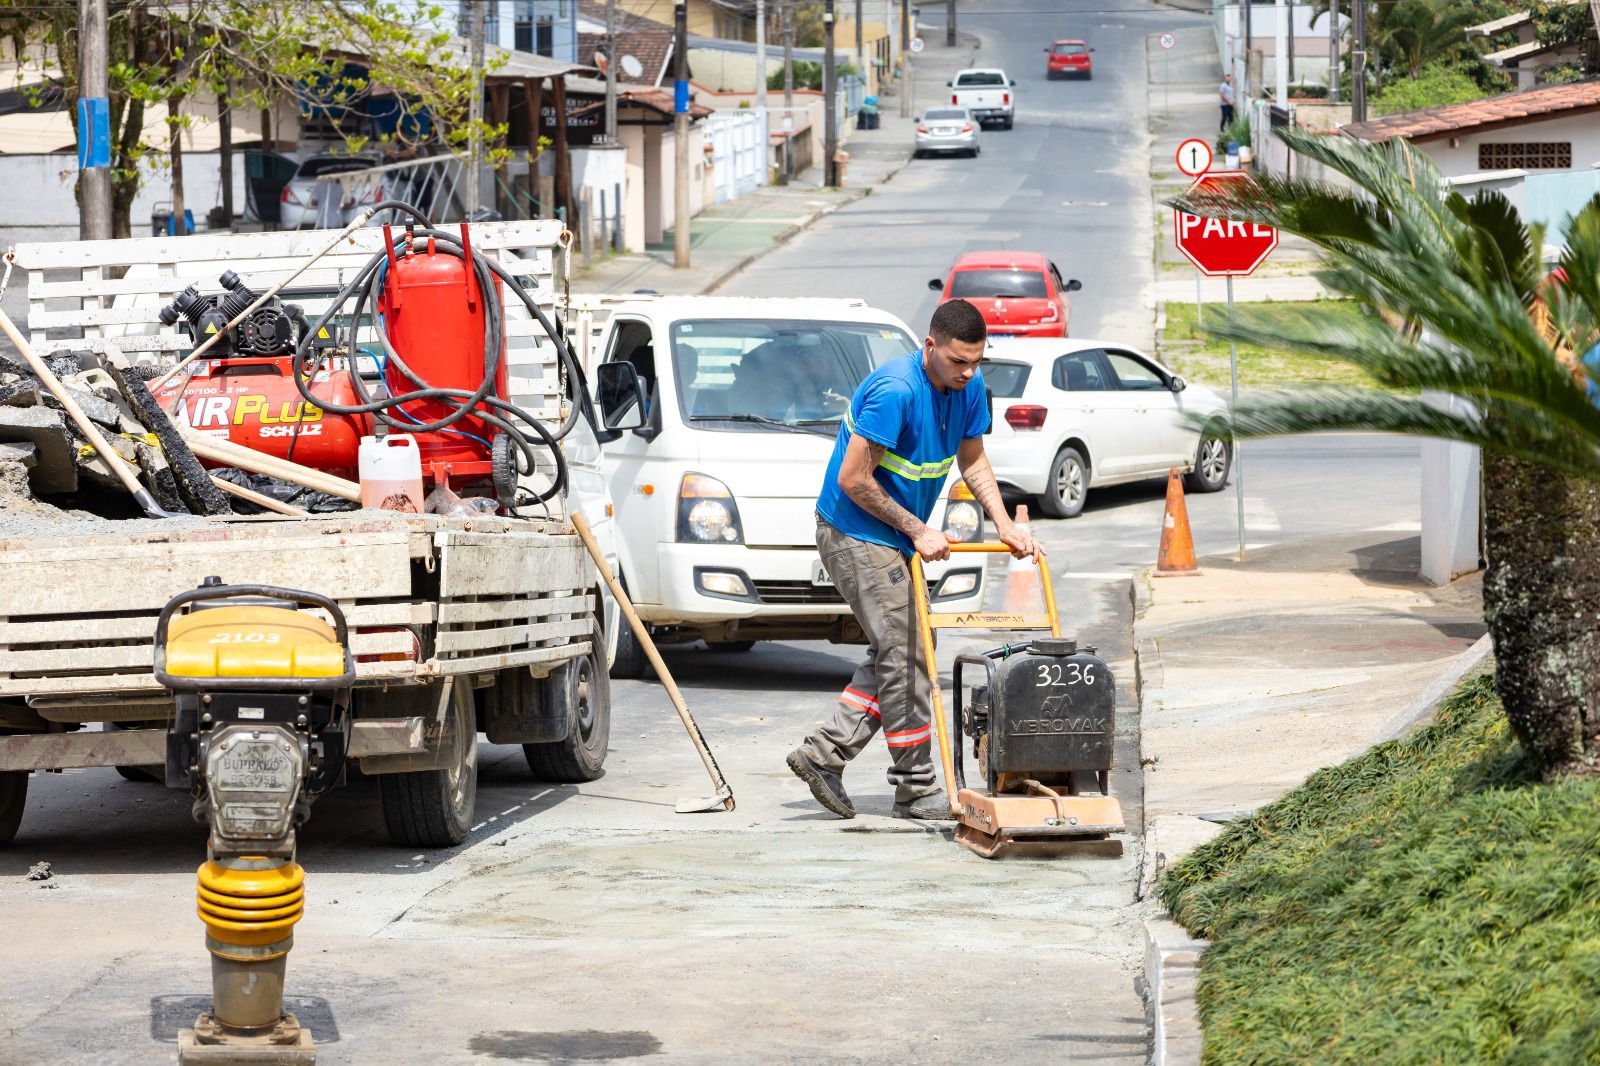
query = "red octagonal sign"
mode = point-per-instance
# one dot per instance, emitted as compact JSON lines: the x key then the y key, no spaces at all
{"x":1222,"y":247}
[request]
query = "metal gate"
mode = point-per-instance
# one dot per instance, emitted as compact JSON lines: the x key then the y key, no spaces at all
{"x":737,"y":153}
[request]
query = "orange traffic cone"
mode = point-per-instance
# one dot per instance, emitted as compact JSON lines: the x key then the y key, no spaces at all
{"x":1176,"y":557}
{"x":1024,"y":593}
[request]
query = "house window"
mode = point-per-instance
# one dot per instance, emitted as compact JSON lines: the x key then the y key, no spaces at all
{"x":1532,"y":155}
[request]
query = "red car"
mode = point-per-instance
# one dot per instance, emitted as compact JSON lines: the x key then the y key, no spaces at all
{"x":1020,"y":294}
{"x":1069,"y":57}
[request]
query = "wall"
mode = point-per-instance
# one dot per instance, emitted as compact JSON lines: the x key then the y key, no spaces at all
{"x":41,"y":204}
{"x":1583,"y":130}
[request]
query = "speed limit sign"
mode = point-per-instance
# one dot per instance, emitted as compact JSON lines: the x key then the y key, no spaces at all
{"x":1168,"y":40}
{"x":917,"y":45}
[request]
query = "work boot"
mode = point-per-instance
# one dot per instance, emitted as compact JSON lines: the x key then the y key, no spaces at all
{"x":932,"y":807}
{"x":826,"y":786}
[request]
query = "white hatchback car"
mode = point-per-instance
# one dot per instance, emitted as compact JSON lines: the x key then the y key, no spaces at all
{"x":1071,"y":415}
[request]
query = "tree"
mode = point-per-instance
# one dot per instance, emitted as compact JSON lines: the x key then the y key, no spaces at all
{"x":1439,"y":84}
{"x":1462,"y":303}
{"x":325,"y":55}
{"x":1415,"y":33}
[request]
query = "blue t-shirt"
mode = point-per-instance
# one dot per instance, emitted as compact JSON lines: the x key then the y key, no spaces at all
{"x":899,"y":408}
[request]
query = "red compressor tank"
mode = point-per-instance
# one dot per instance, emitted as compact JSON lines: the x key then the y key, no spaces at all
{"x":252,"y":400}
{"x":433,"y":310}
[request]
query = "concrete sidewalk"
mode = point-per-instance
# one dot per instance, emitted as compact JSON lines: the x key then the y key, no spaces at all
{"x":726,"y":238}
{"x":1252,"y":676}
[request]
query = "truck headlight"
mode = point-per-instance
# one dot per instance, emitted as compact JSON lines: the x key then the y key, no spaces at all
{"x":963,"y":521}
{"x":706,"y":512}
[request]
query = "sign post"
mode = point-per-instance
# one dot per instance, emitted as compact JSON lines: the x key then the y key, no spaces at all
{"x":1167,"y":42}
{"x":1224,"y":248}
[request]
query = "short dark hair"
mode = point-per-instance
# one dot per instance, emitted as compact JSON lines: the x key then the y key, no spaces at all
{"x":957,"y":320}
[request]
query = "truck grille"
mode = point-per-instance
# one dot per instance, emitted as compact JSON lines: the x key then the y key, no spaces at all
{"x":802,"y":592}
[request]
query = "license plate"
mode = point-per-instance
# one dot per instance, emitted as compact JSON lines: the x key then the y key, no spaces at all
{"x":819,"y":575}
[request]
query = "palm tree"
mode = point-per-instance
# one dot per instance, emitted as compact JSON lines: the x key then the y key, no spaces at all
{"x":1462,"y":302}
{"x":1416,"y":32}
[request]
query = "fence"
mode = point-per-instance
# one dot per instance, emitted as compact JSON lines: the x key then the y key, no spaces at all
{"x":433,"y":185}
{"x":738,"y":153}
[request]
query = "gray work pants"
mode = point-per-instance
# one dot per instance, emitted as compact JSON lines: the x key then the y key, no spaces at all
{"x":890,"y":690}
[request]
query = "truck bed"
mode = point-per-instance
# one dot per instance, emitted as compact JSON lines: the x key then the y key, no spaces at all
{"x":425,"y":596}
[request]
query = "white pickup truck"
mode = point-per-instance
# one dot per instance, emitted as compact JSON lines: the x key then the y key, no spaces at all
{"x":716,"y":490}
{"x":986,"y":93}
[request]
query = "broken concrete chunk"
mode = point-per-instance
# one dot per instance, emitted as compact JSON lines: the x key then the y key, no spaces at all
{"x":40,"y":872}
{"x":56,"y":469}
{"x":97,"y":410}
{"x":23,"y":392}
{"x":24,"y":452}
{"x":193,"y":482}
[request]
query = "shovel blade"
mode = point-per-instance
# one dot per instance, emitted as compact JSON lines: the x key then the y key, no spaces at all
{"x":722,"y":801}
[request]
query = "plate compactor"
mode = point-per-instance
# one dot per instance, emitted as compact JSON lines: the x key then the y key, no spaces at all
{"x":1042,"y":721}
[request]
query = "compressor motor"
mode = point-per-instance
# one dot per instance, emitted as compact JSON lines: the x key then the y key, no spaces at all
{"x":1046,"y":712}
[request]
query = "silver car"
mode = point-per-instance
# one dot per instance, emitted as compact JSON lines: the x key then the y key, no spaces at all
{"x":947,"y":129}
{"x":300,"y":203}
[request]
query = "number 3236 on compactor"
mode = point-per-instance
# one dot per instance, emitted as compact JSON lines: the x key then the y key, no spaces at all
{"x":1042,"y":722}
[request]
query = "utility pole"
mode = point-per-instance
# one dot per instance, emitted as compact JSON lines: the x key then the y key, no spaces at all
{"x":788,"y":89}
{"x":1280,"y":56}
{"x":1333,"y":51}
{"x":830,"y":101}
{"x":950,"y":23}
{"x":475,"y":108}
{"x":94,"y":119}
{"x":611,"y":71}
{"x":680,"y":134}
{"x":225,"y":149}
{"x":861,"y":50}
{"x":905,"y":58}
{"x":1358,"y":63}
{"x":1249,"y":43}
{"x":761,"y":71}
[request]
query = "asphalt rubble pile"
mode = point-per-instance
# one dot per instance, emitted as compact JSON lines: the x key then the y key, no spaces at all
{"x":51,"y":476}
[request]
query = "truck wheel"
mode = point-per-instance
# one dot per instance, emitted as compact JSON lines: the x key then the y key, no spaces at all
{"x":434,"y":808}
{"x":13,"y":797}
{"x":581,"y":686}
{"x":630,"y":663}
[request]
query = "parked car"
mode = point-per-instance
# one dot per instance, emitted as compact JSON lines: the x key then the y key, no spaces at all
{"x":301,"y":200}
{"x":1019,"y":293}
{"x":1069,"y":57}
{"x":1071,"y":416}
{"x":947,"y":129}
{"x":716,"y":492}
{"x":986,"y":94}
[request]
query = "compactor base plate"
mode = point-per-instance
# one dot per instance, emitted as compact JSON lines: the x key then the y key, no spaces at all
{"x":1033,"y":826}
{"x":207,"y":1045}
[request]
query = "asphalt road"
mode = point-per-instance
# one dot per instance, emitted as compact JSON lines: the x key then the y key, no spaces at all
{"x":591,"y":923}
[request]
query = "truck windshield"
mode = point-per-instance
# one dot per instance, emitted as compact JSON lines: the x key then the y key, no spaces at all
{"x":744,"y":375}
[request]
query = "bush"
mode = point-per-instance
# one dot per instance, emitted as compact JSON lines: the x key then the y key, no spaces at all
{"x":1236,"y":132}
{"x":1438,"y":85}
{"x":1428,"y":901}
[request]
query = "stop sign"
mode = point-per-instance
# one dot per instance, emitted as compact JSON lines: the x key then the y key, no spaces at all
{"x":1222,"y":247}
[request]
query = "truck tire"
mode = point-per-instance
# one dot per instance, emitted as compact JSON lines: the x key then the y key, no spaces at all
{"x":13,"y":797}
{"x":582,"y":687}
{"x":434,"y":808}
{"x":630,"y":663}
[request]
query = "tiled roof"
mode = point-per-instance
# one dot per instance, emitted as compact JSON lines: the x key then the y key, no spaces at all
{"x":652,"y":48}
{"x":1550,"y":101}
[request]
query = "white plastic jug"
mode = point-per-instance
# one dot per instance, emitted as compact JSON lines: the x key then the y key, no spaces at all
{"x":391,"y":473}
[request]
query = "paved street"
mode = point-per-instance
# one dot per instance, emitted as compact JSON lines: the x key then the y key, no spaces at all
{"x":585,"y":924}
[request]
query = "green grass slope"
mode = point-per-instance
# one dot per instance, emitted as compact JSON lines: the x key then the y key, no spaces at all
{"x":1426,"y":902}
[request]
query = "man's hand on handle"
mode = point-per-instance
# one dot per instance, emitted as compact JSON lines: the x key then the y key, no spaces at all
{"x":931,"y":544}
{"x":1021,"y":543}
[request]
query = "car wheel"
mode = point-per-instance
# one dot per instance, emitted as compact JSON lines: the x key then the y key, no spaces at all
{"x":1068,"y":485}
{"x":1212,"y":461}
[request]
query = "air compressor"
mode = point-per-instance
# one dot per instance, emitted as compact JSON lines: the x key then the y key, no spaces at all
{"x":428,"y":324}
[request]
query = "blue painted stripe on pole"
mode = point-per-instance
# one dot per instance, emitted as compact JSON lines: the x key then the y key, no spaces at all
{"x":94,"y":132}
{"x":680,"y":97}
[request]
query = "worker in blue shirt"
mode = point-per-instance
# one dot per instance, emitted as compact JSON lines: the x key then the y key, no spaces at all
{"x":909,"y":422}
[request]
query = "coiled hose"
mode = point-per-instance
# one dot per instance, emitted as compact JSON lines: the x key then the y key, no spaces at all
{"x":501,"y":414}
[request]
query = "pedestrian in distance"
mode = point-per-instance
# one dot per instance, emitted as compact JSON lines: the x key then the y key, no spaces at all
{"x":908,"y":423}
{"x":1225,"y":96}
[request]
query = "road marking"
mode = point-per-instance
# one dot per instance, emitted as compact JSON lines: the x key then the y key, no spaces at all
{"x":1084,"y":203}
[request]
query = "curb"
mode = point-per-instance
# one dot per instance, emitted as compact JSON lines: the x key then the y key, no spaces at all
{"x":1172,"y":972}
{"x":1423,"y":706}
{"x":779,"y":241}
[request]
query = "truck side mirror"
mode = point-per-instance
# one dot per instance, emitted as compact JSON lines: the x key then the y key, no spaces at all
{"x":621,"y":396}
{"x":1074,"y":285}
{"x":935,"y":284}
{"x":1013,"y":83}
{"x":950,"y":84}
